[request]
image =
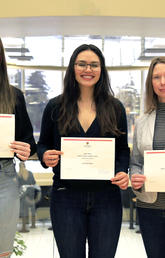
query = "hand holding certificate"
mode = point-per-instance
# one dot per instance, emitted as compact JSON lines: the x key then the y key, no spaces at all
{"x":154,"y":170}
{"x":7,"y":132}
{"x":87,"y":158}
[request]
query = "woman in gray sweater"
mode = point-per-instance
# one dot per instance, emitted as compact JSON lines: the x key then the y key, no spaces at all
{"x":150,"y":135}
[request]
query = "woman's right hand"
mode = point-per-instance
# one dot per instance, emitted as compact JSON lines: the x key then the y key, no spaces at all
{"x":51,"y":157}
{"x":137,"y":181}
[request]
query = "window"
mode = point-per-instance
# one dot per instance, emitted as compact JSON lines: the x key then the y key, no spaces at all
{"x":41,"y":77}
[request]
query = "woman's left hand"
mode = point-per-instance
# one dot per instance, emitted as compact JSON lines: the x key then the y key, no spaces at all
{"x":22,"y":149}
{"x":121,"y":179}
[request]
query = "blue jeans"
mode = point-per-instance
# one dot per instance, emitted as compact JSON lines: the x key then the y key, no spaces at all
{"x":152,"y":226}
{"x":9,"y":206}
{"x":78,"y":216}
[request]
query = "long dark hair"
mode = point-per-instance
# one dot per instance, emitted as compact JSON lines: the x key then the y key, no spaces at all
{"x":151,"y":96}
{"x":7,"y":96}
{"x":103,"y":97}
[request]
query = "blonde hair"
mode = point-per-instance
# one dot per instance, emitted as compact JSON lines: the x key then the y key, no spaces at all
{"x":151,"y":97}
{"x":23,"y":172}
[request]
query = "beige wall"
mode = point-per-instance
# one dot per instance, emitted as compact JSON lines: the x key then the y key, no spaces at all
{"x":128,"y":8}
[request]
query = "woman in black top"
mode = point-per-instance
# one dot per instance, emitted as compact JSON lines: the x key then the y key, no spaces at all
{"x":12,"y":102}
{"x":85,"y":209}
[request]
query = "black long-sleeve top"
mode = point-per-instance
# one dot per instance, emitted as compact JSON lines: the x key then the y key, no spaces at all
{"x":50,"y":138}
{"x":23,"y":127}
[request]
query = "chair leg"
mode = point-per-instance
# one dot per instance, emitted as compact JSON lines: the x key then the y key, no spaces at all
{"x":131,"y":214}
{"x":33,"y":222}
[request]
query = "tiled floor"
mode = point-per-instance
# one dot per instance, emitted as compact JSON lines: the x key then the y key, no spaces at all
{"x":40,"y":243}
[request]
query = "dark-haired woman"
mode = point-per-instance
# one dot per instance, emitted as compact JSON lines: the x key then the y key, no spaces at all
{"x":12,"y":102}
{"x":85,"y":209}
{"x":150,"y":135}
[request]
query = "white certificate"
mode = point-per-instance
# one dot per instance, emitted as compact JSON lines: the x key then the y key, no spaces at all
{"x":87,"y":158}
{"x":7,"y":134}
{"x":154,"y":170}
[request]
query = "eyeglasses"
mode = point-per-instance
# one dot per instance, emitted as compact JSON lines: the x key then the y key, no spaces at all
{"x":81,"y":66}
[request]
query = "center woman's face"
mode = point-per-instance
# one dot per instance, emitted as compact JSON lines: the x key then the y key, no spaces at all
{"x":87,"y":69}
{"x":158,"y":81}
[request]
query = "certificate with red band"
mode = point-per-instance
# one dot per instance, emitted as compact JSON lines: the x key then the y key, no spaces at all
{"x":7,"y":134}
{"x":87,"y":158}
{"x":154,"y":170}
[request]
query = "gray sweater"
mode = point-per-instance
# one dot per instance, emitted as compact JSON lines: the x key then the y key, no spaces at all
{"x":158,"y":144}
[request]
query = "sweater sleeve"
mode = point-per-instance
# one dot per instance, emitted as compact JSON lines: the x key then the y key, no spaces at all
{"x":23,"y":126}
{"x":137,"y":160}
{"x":46,"y":135}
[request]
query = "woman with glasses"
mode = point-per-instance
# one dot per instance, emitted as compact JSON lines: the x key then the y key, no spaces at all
{"x":85,"y":209}
{"x":11,"y":102}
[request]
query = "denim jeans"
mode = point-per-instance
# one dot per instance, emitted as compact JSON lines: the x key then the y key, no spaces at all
{"x":78,"y":216}
{"x":152,"y":226}
{"x":9,"y":207}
